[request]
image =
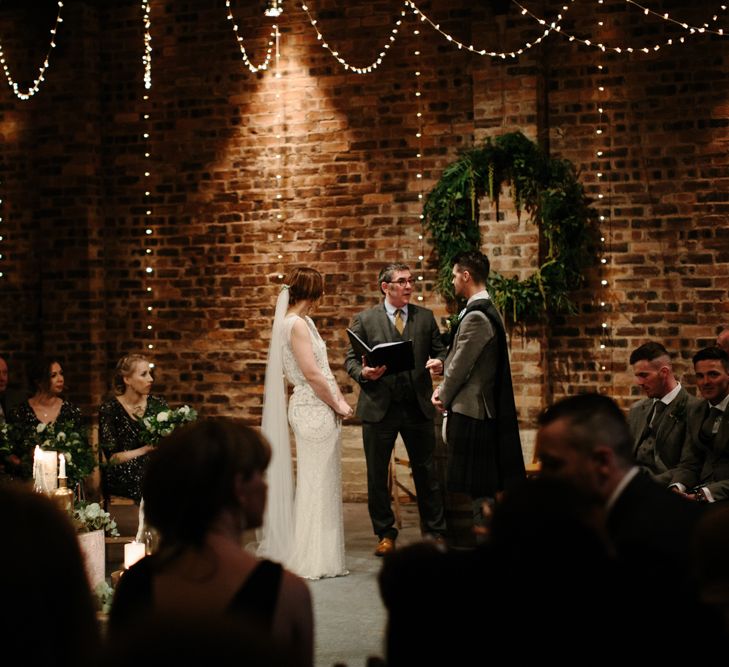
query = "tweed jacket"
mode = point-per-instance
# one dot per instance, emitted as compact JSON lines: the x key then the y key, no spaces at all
{"x":671,"y":437}
{"x":704,"y":465}
{"x":373,"y":326}
{"x":470,"y":368}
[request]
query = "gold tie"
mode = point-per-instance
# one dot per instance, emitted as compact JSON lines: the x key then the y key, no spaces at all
{"x":398,"y":321}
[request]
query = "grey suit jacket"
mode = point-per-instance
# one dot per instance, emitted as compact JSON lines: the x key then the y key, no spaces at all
{"x":672,"y":436}
{"x":470,"y":369}
{"x":374,"y":327}
{"x":702,"y":465}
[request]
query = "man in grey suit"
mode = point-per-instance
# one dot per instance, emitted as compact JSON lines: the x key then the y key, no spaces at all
{"x":658,"y":422}
{"x":703,"y":474}
{"x":482,"y":431}
{"x":398,"y":403}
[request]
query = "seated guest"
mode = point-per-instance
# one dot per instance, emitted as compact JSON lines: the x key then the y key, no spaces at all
{"x":586,"y":439}
{"x":45,"y":406}
{"x":203,"y":487}
{"x":47,"y":615}
{"x":9,"y":398}
{"x":704,"y":472}
{"x":658,"y":423}
{"x":121,"y":431}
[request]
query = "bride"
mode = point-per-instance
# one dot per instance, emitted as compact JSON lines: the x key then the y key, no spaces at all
{"x":305,"y":530}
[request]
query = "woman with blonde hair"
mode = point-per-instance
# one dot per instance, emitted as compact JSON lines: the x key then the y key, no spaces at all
{"x":304,"y":530}
{"x":120,"y":430}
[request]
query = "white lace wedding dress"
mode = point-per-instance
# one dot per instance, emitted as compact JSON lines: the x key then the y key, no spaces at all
{"x":318,"y":543}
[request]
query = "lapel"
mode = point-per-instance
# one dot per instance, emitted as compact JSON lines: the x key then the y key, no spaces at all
{"x":669,"y":420}
{"x":722,"y":437}
{"x":641,"y":417}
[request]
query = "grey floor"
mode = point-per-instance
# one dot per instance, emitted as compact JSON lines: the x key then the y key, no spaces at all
{"x":348,"y":613}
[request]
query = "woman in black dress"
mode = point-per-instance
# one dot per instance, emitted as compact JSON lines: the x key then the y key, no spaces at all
{"x":45,"y":406}
{"x":204,"y":486}
{"x":121,"y":431}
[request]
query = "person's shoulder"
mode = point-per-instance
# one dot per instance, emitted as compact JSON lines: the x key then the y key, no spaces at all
{"x":639,"y":405}
{"x":157,"y":400}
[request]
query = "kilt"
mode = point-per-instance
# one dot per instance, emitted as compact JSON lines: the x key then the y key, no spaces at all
{"x":473,"y":458}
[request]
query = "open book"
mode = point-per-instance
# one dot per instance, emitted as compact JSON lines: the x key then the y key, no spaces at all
{"x":397,"y":356}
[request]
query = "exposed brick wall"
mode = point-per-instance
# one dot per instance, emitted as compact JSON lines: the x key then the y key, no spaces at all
{"x":73,"y":163}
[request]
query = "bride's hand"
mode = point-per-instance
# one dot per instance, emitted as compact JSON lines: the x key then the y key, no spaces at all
{"x":343,"y":409}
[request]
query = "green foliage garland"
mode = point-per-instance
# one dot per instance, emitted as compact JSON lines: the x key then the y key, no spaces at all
{"x":548,"y":190}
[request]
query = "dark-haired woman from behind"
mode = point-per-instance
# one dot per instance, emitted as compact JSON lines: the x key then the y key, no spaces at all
{"x":203,"y":487}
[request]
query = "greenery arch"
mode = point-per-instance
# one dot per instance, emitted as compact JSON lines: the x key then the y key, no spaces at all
{"x":548,"y":190}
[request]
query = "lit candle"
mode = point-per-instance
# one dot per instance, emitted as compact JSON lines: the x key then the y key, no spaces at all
{"x":62,"y":465}
{"x":45,"y":467}
{"x":133,"y":551}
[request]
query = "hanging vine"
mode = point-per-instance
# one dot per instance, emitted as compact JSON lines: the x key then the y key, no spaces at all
{"x":548,"y":190}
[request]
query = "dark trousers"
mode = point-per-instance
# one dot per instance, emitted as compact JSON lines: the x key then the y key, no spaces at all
{"x":417,"y":432}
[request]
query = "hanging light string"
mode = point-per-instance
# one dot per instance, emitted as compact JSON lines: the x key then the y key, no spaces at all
{"x":607,"y":47}
{"x":244,"y":54}
{"x":603,"y":142}
{"x":2,"y":235}
{"x":691,"y":28}
{"x":278,"y":210}
{"x":367,"y":69}
{"x":147,"y":57}
{"x":41,"y":70}
{"x":149,"y":242}
{"x":551,"y":26}
{"x":418,"y":94}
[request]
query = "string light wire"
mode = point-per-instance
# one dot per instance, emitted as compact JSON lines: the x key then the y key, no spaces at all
{"x":33,"y":89}
{"x":244,"y":54}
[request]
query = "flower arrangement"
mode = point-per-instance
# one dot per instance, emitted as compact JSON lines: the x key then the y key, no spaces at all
{"x":104,"y":595}
{"x":164,"y":422}
{"x":6,"y":444}
{"x":68,"y":439}
{"x":90,"y":516}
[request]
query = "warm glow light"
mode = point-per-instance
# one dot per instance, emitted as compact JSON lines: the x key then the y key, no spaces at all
{"x":32,"y":90}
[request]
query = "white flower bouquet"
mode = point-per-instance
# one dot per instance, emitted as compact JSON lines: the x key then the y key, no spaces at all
{"x":90,"y":516}
{"x":163,"y":423}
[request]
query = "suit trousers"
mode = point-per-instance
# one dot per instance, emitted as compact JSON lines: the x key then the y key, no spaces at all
{"x":417,"y":431}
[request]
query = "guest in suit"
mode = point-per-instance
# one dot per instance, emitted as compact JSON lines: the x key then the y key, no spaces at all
{"x":398,"y":403}
{"x":658,"y":422}
{"x":9,"y":398}
{"x":482,"y":431}
{"x":586,"y":439}
{"x":703,"y":474}
{"x":722,"y":340}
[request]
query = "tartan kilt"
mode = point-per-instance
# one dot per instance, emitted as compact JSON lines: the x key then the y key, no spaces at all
{"x":473,"y":461}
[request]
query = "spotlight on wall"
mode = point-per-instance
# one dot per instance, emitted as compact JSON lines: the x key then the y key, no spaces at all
{"x":274,"y":8}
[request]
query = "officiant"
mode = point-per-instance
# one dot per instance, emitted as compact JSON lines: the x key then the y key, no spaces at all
{"x":398,"y":403}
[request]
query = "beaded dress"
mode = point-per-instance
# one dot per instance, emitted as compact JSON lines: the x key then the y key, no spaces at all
{"x":119,"y":432}
{"x":318,"y":544}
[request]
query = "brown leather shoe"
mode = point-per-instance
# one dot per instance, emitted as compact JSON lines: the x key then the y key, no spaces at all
{"x":385,"y":546}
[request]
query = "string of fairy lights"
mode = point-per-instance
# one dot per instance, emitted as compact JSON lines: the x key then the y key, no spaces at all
{"x":35,"y":86}
{"x":275,"y":8}
{"x":419,"y":130}
{"x":149,"y":243}
{"x":280,"y":127}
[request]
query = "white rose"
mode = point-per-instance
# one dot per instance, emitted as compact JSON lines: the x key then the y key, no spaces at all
{"x":185,"y":410}
{"x":61,"y":436}
{"x":163,"y":416}
{"x":40,"y":428}
{"x":68,"y":456}
{"x":93,"y":510}
{"x":147,"y":423}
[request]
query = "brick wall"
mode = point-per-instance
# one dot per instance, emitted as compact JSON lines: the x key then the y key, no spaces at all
{"x":72,"y":180}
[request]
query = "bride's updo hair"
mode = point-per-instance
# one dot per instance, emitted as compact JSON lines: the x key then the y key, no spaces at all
{"x":304,"y":283}
{"x":124,"y":368}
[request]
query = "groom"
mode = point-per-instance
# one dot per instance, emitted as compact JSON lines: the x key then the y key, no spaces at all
{"x":398,"y":403}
